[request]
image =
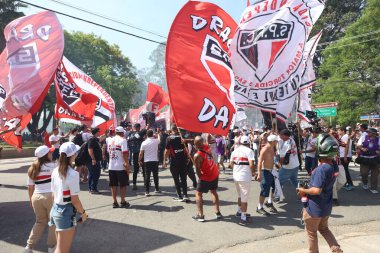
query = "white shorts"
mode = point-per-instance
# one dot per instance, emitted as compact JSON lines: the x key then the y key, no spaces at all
{"x":243,"y":188}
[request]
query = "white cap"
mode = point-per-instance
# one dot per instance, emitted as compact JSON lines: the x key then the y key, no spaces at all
{"x":119,"y":129}
{"x":69,"y":149}
{"x":244,"y":139}
{"x":41,"y":151}
{"x":348,"y":128}
{"x":236,"y":130}
{"x":272,"y":137}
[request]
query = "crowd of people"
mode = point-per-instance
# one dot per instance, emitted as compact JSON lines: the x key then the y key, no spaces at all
{"x":268,"y":156}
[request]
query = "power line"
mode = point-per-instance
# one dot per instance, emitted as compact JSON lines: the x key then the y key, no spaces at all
{"x":94,"y":23}
{"x":346,"y":45}
{"x":348,"y":38}
{"x":107,"y":18}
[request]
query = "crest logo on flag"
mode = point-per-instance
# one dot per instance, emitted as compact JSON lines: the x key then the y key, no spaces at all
{"x":251,"y":43}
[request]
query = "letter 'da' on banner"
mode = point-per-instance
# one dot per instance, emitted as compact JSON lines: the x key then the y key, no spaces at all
{"x":267,"y":53}
{"x":198,"y":69}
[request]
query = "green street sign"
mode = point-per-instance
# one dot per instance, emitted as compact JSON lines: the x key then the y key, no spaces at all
{"x":326,"y":112}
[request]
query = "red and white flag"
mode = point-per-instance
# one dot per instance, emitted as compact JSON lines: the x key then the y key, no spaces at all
{"x":71,"y":96}
{"x":34,"y":47}
{"x":267,"y":53}
{"x":198,"y":70}
{"x":308,"y":78}
{"x":156,"y":98}
{"x":104,"y":115}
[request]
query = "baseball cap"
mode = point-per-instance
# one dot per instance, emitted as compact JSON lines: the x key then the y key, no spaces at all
{"x":348,"y":128}
{"x":41,"y":151}
{"x":272,"y":137}
{"x":372,"y":130}
{"x":69,"y":149}
{"x":236,"y":130}
{"x":119,"y":129}
{"x":244,"y":139}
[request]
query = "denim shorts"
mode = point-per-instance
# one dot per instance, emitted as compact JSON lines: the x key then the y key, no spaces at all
{"x":63,"y":216}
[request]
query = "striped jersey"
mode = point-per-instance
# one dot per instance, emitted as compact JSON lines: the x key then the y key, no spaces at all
{"x":64,"y":188}
{"x":42,"y":184}
{"x":241,"y":157}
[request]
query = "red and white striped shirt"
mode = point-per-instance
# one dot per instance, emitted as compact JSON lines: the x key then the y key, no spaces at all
{"x":64,"y":188}
{"x":42,"y":184}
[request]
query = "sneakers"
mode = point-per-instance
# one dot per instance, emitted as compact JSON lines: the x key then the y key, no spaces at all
{"x":147,"y":194}
{"x":244,"y":222}
{"x":134,"y":187}
{"x":125,"y":204}
{"x":348,"y":187}
{"x":96,"y":192}
{"x":272,"y":209}
{"x":262,"y":212}
{"x":276,"y":200}
{"x":238,"y":214}
{"x":218,"y":215}
{"x":374,"y":191}
{"x":186,"y":199}
{"x":199,"y":218}
{"x":178,"y":199}
{"x":115,"y":205}
{"x":365,"y":186}
{"x":335,"y":202}
{"x":27,"y":250}
{"x":157,"y":191}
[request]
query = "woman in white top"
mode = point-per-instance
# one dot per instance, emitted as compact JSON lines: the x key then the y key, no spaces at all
{"x":65,"y":188}
{"x":41,"y":200}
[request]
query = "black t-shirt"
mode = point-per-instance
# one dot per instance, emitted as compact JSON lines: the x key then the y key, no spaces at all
{"x":176,"y":148}
{"x":163,"y":138}
{"x":95,"y":145}
{"x":135,"y":139}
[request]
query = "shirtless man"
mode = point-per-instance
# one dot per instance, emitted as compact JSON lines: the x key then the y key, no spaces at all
{"x":265,"y":176}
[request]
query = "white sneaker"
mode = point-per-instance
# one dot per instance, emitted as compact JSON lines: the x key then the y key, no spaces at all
{"x":365,"y":186}
{"x":28,"y":250}
{"x":374,"y":191}
{"x":51,"y":250}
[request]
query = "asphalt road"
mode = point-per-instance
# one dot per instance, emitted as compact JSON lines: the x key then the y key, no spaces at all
{"x":158,"y":224}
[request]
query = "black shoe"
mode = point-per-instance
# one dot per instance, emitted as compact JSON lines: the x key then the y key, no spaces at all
{"x":335,"y":202}
{"x":276,"y":200}
{"x":134,"y":187}
{"x":96,"y":192}
{"x":238,"y":214}
{"x":199,"y":218}
{"x":272,"y":209}
{"x":115,"y":205}
{"x":218,"y":215}
{"x":157,"y":191}
{"x":186,"y":199}
{"x":244,"y":222}
{"x":262,"y":212}
{"x":125,"y":204}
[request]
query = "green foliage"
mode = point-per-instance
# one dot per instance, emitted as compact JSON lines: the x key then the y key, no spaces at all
{"x":8,"y":13}
{"x":106,"y":64}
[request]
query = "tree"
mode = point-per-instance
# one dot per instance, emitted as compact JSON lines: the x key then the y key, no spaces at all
{"x":8,"y":12}
{"x":350,"y":73}
{"x":155,"y":74}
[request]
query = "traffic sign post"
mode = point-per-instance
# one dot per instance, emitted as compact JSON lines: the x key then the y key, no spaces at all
{"x":326,"y":112}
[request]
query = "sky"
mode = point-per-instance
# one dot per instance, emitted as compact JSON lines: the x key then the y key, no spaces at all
{"x":153,"y":15}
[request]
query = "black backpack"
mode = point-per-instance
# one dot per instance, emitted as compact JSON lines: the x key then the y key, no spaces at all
{"x":83,"y":156}
{"x":78,"y":140}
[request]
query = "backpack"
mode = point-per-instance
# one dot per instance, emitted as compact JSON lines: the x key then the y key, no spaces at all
{"x":78,"y":140}
{"x":83,"y":156}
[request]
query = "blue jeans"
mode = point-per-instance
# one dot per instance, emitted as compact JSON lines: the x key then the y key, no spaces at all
{"x":288,"y":174}
{"x":93,"y":176}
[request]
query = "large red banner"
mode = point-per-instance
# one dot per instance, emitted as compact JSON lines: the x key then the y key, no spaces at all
{"x":198,"y":70}
{"x":34,"y":47}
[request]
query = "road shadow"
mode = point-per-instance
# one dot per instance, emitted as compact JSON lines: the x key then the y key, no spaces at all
{"x":17,"y":219}
{"x":22,"y":169}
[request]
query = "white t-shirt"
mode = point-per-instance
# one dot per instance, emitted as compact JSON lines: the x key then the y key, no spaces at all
{"x":64,"y":188}
{"x":42,"y":184}
{"x":86,"y":136}
{"x":150,"y":148}
{"x":241,"y":157}
{"x":311,"y":143}
{"x":55,"y":138}
{"x":284,"y":147}
{"x":344,"y":139}
{"x":116,"y":145}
